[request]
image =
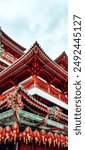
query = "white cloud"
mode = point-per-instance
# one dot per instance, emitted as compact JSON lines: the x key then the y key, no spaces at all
{"x":29,"y":20}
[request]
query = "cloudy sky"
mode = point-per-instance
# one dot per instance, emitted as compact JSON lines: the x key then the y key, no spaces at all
{"x":45,"y":21}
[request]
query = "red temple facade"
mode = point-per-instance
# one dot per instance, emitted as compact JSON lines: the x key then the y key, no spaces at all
{"x":33,"y":98}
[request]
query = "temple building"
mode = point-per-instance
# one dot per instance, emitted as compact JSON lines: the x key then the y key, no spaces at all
{"x":33,"y":98}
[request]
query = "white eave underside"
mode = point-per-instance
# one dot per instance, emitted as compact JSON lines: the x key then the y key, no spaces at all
{"x":48,"y":97}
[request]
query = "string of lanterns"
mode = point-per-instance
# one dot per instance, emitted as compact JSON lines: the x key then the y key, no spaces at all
{"x":12,"y":134}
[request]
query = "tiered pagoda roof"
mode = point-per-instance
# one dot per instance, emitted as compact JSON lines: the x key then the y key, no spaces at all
{"x":9,"y":50}
{"x":62,"y":60}
{"x":33,"y":88}
{"x":35,"y":61}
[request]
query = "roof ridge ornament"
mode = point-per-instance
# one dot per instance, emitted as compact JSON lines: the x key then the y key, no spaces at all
{"x":36,"y":45}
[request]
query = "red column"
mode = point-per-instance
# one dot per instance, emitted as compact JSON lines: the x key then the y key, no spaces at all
{"x":35,"y":80}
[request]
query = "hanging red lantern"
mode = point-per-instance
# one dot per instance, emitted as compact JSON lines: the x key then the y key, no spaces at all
{"x":50,"y":137}
{"x":15,"y":128}
{"x":28,"y":132}
{"x":43,"y":133}
{"x":58,"y":143}
{"x":8,"y":130}
{"x":28,"y":129}
{"x":56,"y":137}
{"x":36,"y":134}
{"x":61,"y":138}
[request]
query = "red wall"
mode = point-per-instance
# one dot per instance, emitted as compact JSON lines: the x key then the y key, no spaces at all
{"x":37,"y":147}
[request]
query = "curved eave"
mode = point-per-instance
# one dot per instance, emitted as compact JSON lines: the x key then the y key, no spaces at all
{"x":4,"y":35}
{"x":10,"y":45}
{"x":52,"y":64}
{"x":61,"y":56}
{"x":22,"y":61}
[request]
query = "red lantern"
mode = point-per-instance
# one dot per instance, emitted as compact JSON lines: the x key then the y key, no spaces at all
{"x":55,"y":140}
{"x":28,"y":132}
{"x":7,"y":130}
{"x":15,"y":128}
{"x":43,"y":133}
{"x":61,"y":138}
{"x":56,"y":137}
{"x":58,"y":143}
{"x":36,"y":135}
{"x":50,"y":137}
